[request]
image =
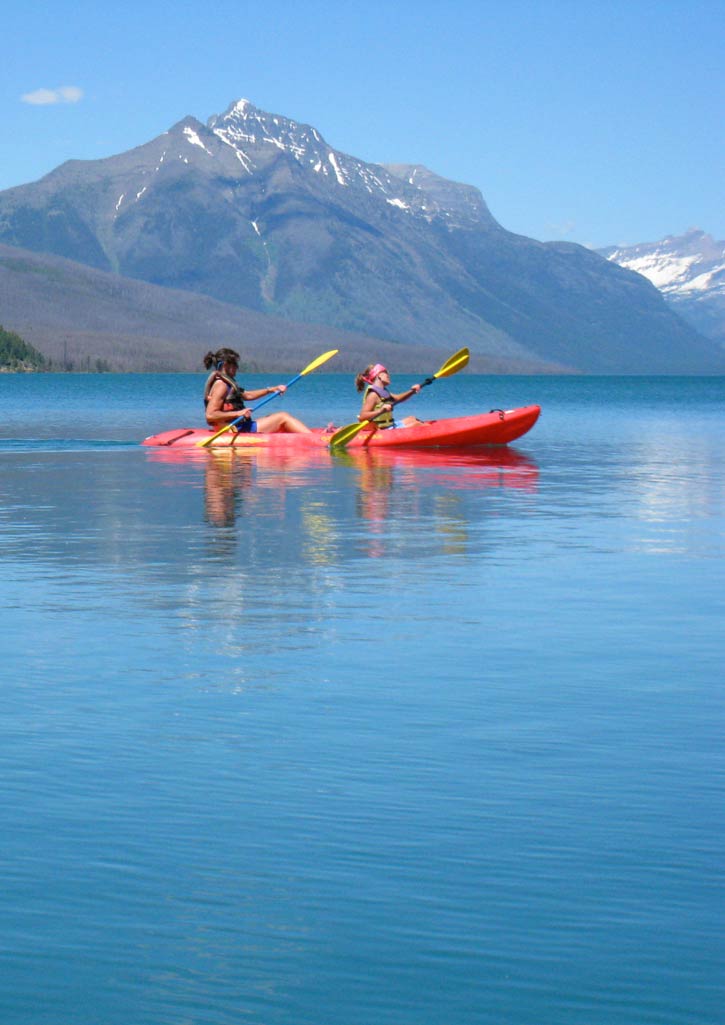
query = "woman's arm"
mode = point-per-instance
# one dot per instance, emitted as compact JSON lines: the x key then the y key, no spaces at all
{"x":259,"y":393}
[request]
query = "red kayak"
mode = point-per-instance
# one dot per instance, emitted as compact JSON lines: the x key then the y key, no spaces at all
{"x":498,"y":427}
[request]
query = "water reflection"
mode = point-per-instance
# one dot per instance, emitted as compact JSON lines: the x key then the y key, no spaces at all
{"x":455,"y":468}
{"x":411,"y":486}
{"x":228,"y":483}
{"x":386,"y":491}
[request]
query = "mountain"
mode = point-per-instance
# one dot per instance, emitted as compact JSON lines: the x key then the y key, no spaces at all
{"x":255,"y":210}
{"x":689,"y":270}
{"x":81,"y":318}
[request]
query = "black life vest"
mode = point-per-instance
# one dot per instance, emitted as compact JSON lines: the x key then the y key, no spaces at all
{"x":234,"y":398}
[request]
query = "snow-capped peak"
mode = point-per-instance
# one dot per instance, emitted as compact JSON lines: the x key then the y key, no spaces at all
{"x":244,"y":126}
{"x":676,"y":265}
{"x":689,"y":270}
{"x":257,"y":137}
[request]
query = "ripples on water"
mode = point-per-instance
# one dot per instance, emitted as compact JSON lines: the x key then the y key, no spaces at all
{"x":365,"y":739}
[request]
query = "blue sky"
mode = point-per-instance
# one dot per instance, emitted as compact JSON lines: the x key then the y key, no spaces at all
{"x":595,"y":122}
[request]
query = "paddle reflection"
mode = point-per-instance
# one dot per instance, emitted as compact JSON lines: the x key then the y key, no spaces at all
{"x":237,"y":482}
{"x":501,"y":466}
{"x":387,"y":486}
{"x":413,"y":485}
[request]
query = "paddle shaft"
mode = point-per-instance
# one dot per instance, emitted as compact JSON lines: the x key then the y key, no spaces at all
{"x":228,"y":427}
{"x":394,"y":402}
{"x":268,"y":398}
{"x":308,"y":369}
{"x":451,"y":366}
{"x":346,"y":434}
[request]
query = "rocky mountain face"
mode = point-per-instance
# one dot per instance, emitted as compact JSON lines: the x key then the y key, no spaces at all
{"x":689,"y":270}
{"x":81,"y":318}
{"x":258,"y":211}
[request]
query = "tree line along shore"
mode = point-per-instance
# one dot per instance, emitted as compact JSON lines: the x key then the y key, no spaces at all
{"x":19,"y":357}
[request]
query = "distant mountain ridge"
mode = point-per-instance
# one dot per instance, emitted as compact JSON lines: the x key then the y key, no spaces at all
{"x":689,"y":270}
{"x":81,"y":318}
{"x":256,"y":210}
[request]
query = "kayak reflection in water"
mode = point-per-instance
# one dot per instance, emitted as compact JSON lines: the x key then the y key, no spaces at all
{"x":378,"y":400}
{"x":225,"y":400}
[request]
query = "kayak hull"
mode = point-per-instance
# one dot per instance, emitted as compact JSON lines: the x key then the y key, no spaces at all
{"x":499,"y":427}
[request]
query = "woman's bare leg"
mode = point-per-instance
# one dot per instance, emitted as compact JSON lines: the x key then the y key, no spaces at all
{"x":281,"y":422}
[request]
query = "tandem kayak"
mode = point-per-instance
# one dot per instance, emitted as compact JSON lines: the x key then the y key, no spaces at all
{"x":498,"y":427}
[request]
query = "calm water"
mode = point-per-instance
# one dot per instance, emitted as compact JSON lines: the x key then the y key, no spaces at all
{"x":407,"y":740}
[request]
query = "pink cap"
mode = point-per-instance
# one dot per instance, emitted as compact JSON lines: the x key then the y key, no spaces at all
{"x":375,"y":372}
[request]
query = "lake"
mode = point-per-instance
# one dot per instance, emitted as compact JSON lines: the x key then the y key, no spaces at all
{"x":381,"y":739}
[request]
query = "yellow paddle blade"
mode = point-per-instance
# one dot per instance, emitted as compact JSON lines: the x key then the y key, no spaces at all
{"x":347,"y":433}
{"x":454,"y":363}
{"x":208,"y":441}
{"x":318,"y":362}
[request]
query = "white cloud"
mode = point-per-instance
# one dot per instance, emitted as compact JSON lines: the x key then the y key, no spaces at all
{"x":44,"y":97}
{"x":562,"y":230}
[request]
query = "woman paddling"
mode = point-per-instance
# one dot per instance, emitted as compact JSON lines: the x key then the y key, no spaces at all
{"x":225,"y":400}
{"x":378,"y":400}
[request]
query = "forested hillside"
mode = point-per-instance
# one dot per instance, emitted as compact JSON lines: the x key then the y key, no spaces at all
{"x":17,"y":355}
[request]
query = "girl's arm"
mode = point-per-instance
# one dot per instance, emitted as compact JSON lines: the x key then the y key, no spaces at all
{"x":259,"y":393}
{"x":370,"y":409}
{"x":413,"y":390}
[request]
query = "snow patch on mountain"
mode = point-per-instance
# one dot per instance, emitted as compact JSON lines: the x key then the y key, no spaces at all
{"x":665,"y":272}
{"x":250,"y":132}
{"x":336,"y":168}
{"x":676,"y":265}
{"x":688,"y":269}
{"x":194,"y":139}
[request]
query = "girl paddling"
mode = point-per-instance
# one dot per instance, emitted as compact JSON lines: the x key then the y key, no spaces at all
{"x":378,"y":400}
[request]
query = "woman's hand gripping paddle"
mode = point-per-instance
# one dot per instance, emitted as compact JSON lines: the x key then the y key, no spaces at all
{"x":451,"y":366}
{"x":308,"y":370}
